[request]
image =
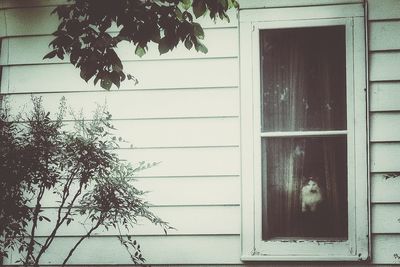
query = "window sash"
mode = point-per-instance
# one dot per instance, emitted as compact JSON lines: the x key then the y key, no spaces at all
{"x":307,"y":246}
{"x":250,"y":133}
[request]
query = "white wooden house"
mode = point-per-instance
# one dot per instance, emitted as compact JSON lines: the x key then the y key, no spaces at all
{"x":199,"y":115}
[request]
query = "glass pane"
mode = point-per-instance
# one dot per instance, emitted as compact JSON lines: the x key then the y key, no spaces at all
{"x":304,"y":187}
{"x":303,"y":80}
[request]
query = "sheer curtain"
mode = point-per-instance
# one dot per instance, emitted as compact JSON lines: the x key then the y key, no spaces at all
{"x":303,"y":89}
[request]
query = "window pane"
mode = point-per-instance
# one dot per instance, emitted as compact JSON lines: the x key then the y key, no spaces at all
{"x":303,"y":80}
{"x":304,"y":187}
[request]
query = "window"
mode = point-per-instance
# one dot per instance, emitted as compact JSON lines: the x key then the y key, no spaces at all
{"x":304,"y":134}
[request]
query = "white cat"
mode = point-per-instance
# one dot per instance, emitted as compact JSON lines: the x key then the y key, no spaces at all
{"x":311,"y":196}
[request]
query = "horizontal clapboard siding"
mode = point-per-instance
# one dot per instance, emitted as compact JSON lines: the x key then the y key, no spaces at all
{"x":216,"y":72}
{"x":385,"y":188}
{"x":385,"y":126}
{"x":386,"y":218}
{"x":384,"y":45}
{"x":385,"y":35}
{"x":162,"y":250}
{"x":143,"y":104}
{"x":385,"y":96}
{"x":180,"y":191}
{"x":183,"y":114}
{"x":385,"y":249}
{"x":36,"y":20}
{"x":32,"y":3}
{"x":383,"y":10}
{"x":31,"y":49}
{"x":187,"y":220}
{"x":385,"y":157}
{"x":384,"y":66}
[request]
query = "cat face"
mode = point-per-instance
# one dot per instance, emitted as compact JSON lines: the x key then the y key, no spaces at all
{"x":312,"y":186}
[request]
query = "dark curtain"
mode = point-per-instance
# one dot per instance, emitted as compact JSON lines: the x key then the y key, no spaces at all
{"x":303,"y":89}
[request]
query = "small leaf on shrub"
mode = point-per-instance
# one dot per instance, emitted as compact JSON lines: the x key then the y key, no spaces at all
{"x":45,"y":218}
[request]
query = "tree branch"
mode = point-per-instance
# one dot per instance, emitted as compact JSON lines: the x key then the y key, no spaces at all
{"x":99,"y":222}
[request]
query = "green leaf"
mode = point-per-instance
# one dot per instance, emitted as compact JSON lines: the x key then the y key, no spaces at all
{"x":140,"y":51}
{"x":199,"y":8}
{"x":198,"y":30}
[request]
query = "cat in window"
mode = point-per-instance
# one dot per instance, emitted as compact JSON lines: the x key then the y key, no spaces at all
{"x":311,"y":195}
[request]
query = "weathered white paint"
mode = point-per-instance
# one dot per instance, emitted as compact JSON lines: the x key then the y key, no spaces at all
{"x":384,"y":35}
{"x":188,"y":73}
{"x":24,"y":50}
{"x":385,"y":189}
{"x":30,"y":3}
{"x":191,"y":125}
{"x":187,"y":220}
{"x":391,"y":222}
{"x":384,"y":66}
{"x":162,"y":250}
{"x":385,"y":249}
{"x":384,"y":10}
{"x":254,"y":247}
{"x":385,"y":126}
{"x":244,"y":4}
{"x":176,"y":132}
{"x":179,"y":191}
{"x":385,"y":157}
{"x":385,"y":96}
{"x":36,"y":20}
{"x":143,"y":104}
{"x":312,"y":12}
{"x":179,"y":132}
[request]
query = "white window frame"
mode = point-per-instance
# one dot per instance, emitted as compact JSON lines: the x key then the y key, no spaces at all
{"x":356,"y":248}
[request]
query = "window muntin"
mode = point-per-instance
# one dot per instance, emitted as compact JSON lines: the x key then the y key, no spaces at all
{"x":303,"y":88}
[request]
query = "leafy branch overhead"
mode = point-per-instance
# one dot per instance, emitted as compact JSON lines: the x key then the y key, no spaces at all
{"x":90,"y":31}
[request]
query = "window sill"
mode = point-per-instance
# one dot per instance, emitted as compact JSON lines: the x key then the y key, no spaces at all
{"x":334,"y":258}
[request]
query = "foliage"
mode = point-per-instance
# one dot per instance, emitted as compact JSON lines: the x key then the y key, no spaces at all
{"x":14,"y":212}
{"x":84,"y":32}
{"x":80,"y":167}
